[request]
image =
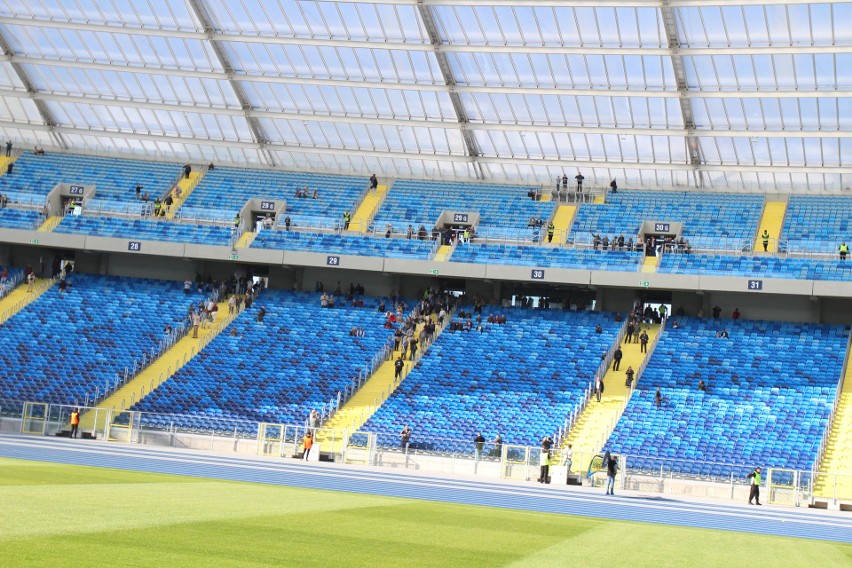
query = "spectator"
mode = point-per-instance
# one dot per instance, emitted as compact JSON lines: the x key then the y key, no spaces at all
{"x":579,"y":177}
{"x":374,"y":183}
{"x":478,"y":446}
{"x":267,"y":221}
{"x":315,"y":194}
{"x":722,"y":334}
{"x":599,"y":388}
{"x":616,"y":358}
{"x":680,"y":311}
{"x":736,"y":314}
{"x":569,"y":459}
{"x":599,"y":329}
{"x":717,"y":311}
{"x":187,"y":169}
{"x":629,"y":373}
{"x":843,"y":250}
{"x":565,"y":183}
{"x":611,"y":471}
{"x":497,"y":452}
{"x":613,"y":186}
{"x":8,"y":148}
{"x":261,"y":313}
{"x":195,"y":318}
{"x":211,"y":167}
{"x":405,"y":438}
{"x":701,"y":386}
{"x":397,"y":367}
{"x":287,"y":222}
{"x":658,"y":398}
{"x":388,"y":230}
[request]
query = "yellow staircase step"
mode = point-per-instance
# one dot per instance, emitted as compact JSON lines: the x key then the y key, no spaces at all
{"x":545,"y":197}
{"x":364,"y":403}
{"x":600,"y":199}
{"x":49,"y":224}
{"x":4,"y":163}
{"x":158,"y":371}
{"x":246,"y":239}
{"x":599,"y":418}
{"x":772,"y":221}
{"x":649,"y":265}
{"x":22,"y":296}
{"x":836,"y":465}
{"x":186,"y":185}
{"x":444,"y":253}
{"x":562,"y":220}
{"x":366,"y":211}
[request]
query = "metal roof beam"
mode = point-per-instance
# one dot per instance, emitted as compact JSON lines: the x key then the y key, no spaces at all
{"x":450,"y":80}
{"x":201,"y":13}
{"x":421,"y":156}
{"x":461,"y":89}
{"x":413,"y":46}
{"x":254,"y":114}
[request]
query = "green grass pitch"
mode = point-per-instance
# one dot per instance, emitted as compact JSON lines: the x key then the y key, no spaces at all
{"x":61,"y":515}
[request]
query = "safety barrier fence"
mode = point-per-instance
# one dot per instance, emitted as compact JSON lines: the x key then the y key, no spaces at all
{"x":490,"y":459}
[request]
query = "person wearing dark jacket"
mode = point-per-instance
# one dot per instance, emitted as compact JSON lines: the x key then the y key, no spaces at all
{"x":611,"y":471}
{"x":616,"y":358}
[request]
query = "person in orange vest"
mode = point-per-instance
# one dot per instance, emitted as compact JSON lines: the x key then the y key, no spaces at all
{"x":308,"y":443}
{"x":75,"y":422}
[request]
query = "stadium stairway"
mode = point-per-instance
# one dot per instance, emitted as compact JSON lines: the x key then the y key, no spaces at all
{"x":773,"y":221}
{"x":358,"y":409}
{"x":600,"y":199}
{"x":5,"y":161}
{"x":650,"y":264}
{"x":246,"y":239}
{"x":599,"y":418}
{"x":562,"y":221}
{"x":160,"y":370}
{"x":444,"y":253}
{"x":837,"y":459}
{"x":49,"y":224}
{"x":186,"y":187}
{"x":19,"y":298}
{"x":367,"y":209}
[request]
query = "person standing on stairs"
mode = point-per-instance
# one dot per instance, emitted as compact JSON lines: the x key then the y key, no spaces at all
{"x":643,"y":341}
{"x":599,"y":388}
{"x":397,"y":368}
{"x":616,"y":358}
{"x":187,"y":169}
{"x":374,"y":183}
{"x":765,"y":239}
{"x":347,"y":217}
{"x":628,"y":382}
{"x":550,"y":230}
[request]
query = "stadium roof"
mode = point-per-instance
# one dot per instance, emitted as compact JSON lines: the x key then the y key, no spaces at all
{"x":730,"y":94}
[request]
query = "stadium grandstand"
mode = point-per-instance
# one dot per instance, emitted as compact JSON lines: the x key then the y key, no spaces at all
{"x":462,"y":237}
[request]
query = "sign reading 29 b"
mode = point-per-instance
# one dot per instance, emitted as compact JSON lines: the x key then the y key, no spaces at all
{"x":459,"y":217}
{"x":332,"y":261}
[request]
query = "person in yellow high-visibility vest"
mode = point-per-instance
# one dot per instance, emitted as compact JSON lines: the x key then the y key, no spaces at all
{"x":75,"y":422}
{"x":765,"y":238}
{"x":844,"y":250}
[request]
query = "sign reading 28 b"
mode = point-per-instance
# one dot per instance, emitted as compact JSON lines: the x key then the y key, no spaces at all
{"x":135,"y":246}
{"x":267,"y":206}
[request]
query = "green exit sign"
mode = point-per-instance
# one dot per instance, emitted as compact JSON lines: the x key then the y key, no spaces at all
{"x":33,"y":241}
{"x":644,"y":284}
{"x":235,"y":257}
{"x":434,"y":271}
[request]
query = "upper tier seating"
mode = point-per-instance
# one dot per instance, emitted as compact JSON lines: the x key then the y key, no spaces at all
{"x":144,"y":229}
{"x":19,"y":218}
{"x":62,"y":347}
{"x":711,"y":220}
{"x":770,"y":389}
{"x":543,"y":257}
{"x":505,"y":210}
{"x":817,"y":224}
{"x":752,"y":266}
{"x":343,"y":244}
{"x":223,"y":192}
{"x":278,"y":370}
{"x":114,"y":179}
{"x":520,"y":380}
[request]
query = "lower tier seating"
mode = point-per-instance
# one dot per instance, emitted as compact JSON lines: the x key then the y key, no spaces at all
{"x":276,"y":370}
{"x":751,"y":266}
{"x":543,"y":257}
{"x":519,"y":380}
{"x":343,"y":244}
{"x":769,"y":391}
{"x":63,"y":346}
